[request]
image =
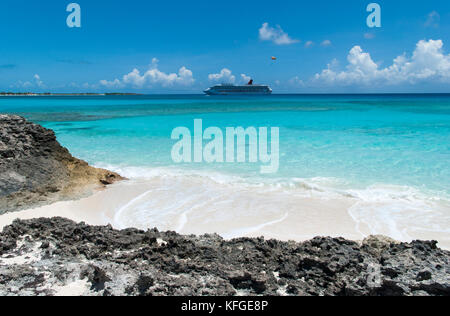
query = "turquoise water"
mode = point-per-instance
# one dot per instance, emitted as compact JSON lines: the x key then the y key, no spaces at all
{"x":358,"y":141}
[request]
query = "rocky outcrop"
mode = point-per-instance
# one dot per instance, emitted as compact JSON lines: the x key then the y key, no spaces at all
{"x":35,"y":169}
{"x":57,"y":256}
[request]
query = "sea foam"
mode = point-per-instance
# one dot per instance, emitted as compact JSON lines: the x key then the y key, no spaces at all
{"x":195,"y":201}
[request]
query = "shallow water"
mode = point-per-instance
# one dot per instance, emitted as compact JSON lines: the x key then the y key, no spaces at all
{"x":383,"y":159}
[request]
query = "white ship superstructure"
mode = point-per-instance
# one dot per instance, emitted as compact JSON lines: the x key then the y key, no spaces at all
{"x":231,"y":89}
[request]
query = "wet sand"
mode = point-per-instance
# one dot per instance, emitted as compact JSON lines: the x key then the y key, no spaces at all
{"x":231,"y":212}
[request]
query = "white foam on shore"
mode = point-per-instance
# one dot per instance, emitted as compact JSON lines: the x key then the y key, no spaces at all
{"x":401,"y":212}
{"x":247,"y":230}
{"x":196,"y":202}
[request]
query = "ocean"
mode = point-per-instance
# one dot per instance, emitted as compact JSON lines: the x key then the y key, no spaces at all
{"x":372,"y":164}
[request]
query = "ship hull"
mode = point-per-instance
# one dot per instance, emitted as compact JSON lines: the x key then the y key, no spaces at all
{"x":239,"y":90}
{"x":237,"y":93}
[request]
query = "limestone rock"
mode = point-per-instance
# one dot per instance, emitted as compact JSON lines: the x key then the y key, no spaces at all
{"x":35,"y":169}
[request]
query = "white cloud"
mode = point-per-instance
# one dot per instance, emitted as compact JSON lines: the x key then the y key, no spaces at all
{"x":433,"y":19}
{"x":225,"y":76}
{"x":112,"y":84}
{"x":275,"y":35}
{"x":309,"y":44}
{"x":427,"y":63}
{"x":245,"y":78}
{"x":36,"y":82}
{"x":326,"y":43}
{"x":152,"y":77}
{"x":369,"y":35}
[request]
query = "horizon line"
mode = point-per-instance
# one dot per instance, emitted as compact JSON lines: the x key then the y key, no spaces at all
{"x":6,"y":94}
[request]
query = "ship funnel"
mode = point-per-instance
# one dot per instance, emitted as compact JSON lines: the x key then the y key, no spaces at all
{"x":250,"y":82}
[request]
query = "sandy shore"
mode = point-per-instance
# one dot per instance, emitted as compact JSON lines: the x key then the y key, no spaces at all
{"x":107,"y":207}
{"x":143,"y":204}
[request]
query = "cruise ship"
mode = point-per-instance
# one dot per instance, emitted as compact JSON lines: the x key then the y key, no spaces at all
{"x":231,"y":89}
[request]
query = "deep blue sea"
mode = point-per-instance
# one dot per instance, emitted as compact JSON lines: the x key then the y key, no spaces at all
{"x":385,"y":148}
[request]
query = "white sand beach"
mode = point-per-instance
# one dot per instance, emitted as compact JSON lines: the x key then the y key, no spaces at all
{"x":199,"y":205}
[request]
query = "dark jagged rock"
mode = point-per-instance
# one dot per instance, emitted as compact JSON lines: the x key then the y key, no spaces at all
{"x":35,"y":169}
{"x":57,"y":256}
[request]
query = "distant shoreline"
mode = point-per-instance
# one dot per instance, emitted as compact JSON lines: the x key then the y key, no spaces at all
{"x":31,"y":94}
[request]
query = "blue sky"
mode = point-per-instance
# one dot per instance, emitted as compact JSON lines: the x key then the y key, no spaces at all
{"x":186,"y":46}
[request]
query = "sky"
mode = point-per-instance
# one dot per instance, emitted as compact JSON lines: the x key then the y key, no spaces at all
{"x":321,"y":46}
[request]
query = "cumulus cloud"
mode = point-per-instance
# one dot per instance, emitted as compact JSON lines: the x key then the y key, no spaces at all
{"x":36,"y":82}
{"x":245,"y":78}
{"x":309,"y":44}
{"x":112,"y":84}
{"x":275,"y":35}
{"x":225,"y":76}
{"x":427,"y":63}
{"x":152,"y":77}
